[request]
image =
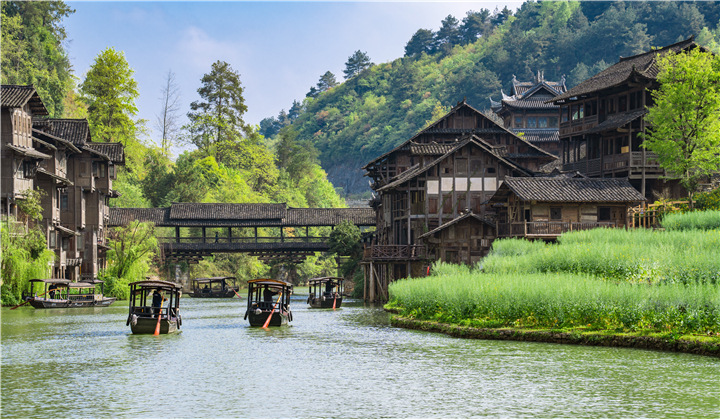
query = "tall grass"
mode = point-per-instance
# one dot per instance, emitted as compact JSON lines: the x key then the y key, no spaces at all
{"x":660,"y":257}
{"x":455,"y":294}
{"x":696,"y":220}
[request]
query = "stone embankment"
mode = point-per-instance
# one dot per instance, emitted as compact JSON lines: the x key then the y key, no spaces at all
{"x":549,"y":336}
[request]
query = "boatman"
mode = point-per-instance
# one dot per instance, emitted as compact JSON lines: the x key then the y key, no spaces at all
{"x":268,"y":294}
{"x":157,"y":302}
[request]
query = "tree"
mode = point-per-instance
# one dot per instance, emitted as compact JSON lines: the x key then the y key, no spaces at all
{"x":327,"y":81}
{"x":109,"y":91}
{"x":685,"y":119}
{"x":423,"y":41}
{"x":356,"y":63}
{"x":218,"y":116}
{"x":131,"y":250}
{"x":345,"y":239}
{"x":449,"y":34}
{"x":295,"y":157}
{"x":474,"y":25}
{"x":167,"y":122}
{"x":32,"y":49}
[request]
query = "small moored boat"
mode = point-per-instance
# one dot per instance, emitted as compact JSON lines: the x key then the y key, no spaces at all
{"x":63,"y":293}
{"x":268,"y":297}
{"x":326,"y":292}
{"x":150,"y":299}
{"x":216,"y":287}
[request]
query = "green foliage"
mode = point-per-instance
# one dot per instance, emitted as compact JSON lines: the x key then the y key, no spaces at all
{"x":685,"y":118}
{"x":24,"y":257}
{"x":708,"y":200}
{"x":131,"y":251}
{"x":697,"y":220}
{"x":32,"y":49}
{"x":356,"y":63}
{"x":109,"y":91}
{"x":455,"y":294}
{"x":637,"y":256}
{"x":345,"y":239}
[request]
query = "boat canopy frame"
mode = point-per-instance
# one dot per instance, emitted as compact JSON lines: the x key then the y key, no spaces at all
{"x":141,"y":290}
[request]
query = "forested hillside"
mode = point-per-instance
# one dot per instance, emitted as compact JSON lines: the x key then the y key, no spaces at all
{"x":474,"y":57}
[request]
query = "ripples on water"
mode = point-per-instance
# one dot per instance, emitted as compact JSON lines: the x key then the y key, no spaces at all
{"x":343,"y":364}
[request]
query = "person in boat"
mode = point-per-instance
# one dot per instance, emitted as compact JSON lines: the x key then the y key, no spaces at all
{"x":268,"y":294}
{"x":157,"y":302}
{"x":206,"y":289}
{"x":53,"y":290}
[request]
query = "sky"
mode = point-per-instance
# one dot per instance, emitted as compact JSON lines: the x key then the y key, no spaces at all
{"x":280,"y":49}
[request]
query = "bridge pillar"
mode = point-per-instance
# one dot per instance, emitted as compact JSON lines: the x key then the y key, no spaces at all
{"x":229,"y":234}
{"x":177,"y":234}
{"x":203,"y":233}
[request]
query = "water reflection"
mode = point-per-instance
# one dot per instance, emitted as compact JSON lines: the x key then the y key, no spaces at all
{"x":343,"y":363}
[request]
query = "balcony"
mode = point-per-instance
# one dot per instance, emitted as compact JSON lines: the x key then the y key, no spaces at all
{"x":547,"y":229}
{"x":395,"y":252}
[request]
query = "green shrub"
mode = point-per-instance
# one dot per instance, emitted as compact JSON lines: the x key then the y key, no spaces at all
{"x":696,"y":220}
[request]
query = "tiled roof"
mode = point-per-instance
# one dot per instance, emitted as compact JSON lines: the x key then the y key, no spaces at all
{"x":642,"y":64}
{"x":29,"y":152}
{"x":530,"y":104}
{"x":14,"y":96}
{"x":50,"y":137}
{"x":455,"y":221}
{"x":431,"y":149}
{"x":563,"y":189}
{"x":617,"y":120}
{"x":75,"y":130}
{"x":538,"y":135}
{"x":227,"y":211}
{"x":293,"y":217}
{"x":114,"y":151}
{"x":329,"y":216}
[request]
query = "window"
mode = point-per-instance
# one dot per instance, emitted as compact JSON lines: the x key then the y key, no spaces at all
{"x":622,"y":103}
{"x":527,"y":215}
{"x":64,"y":201}
{"x":53,"y":239}
{"x":29,"y":169}
{"x":65,"y":243}
{"x":611,"y":106}
{"x":582,"y":111}
{"x":80,"y":243}
{"x":542,"y":122}
{"x":532,"y":122}
{"x":94,"y":169}
{"x":553,"y":122}
{"x":518,"y":122}
{"x":602,"y":107}
{"x":556,"y":213}
{"x":102,"y":170}
{"x":490,"y":170}
{"x":575,"y":114}
{"x":564,"y":114}
{"x":604,"y":214}
{"x":633,"y":102}
{"x":447,"y":204}
{"x":451,"y":256}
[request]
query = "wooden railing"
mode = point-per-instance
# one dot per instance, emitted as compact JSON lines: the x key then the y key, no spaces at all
{"x":547,"y":228}
{"x":212,"y":239}
{"x":397,"y":252}
{"x":647,"y":216}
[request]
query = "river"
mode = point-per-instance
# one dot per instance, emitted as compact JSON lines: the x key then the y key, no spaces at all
{"x":347,"y":363}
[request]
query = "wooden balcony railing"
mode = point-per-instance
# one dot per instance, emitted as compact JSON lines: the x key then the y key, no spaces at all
{"x":546,"y":228}
{"x":397,"y":252}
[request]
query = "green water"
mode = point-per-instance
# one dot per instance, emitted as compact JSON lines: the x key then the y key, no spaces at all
{"x":343,"y":364}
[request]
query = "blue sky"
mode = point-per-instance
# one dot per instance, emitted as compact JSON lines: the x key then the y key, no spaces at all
{"x":279,"y":48}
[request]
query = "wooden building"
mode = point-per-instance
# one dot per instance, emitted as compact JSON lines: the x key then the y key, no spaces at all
{"x":466,"y":239}
{"x":80,"y":208}
{"x":546,"y":207}
{"x":602,"y":122}
{"x":526,"y":112}
{"x":435,"y":177}
{"x":20,"y":157}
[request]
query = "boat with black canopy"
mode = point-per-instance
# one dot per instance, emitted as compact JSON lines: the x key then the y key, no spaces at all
{"x":215,"y":287}
{"x":150,"y":299}
{"x":326,"y":292}
{"x":63,"y":293}
{"x":268,"y":299}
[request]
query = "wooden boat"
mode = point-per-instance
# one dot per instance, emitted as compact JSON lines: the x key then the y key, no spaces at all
{"x":326,"y":292}
{"x":264,"y":300}
{"x":142,"y":318}
{"x":63,"y":293}
{"x":216,"y":287}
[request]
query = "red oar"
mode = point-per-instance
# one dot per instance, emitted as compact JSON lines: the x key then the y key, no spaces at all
{"x":236,"y":292}
{"x":22,"y":304}
{"x":267,"y":322}
{"x":157,"y":326}
{"x":334,"y":300}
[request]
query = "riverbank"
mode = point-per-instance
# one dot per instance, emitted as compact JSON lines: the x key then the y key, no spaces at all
{"x":706,"y":347}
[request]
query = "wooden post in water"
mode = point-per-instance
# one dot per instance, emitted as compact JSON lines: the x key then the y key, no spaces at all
{"x":372,"y":283}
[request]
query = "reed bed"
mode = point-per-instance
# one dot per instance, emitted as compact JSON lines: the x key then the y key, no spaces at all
{"x":696,"y":220}
{"x":636,"y":256}
{"x":457,"y":294}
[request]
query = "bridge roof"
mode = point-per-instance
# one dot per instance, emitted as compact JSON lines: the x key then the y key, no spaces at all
{"x":240,"y":215}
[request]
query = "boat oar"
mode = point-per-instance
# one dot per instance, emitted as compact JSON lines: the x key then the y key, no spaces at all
{"x":334,"y":300}
{"x":236,"y":292}
{"x":157,"y":326}
{"x":22,"y":304}
{"x":267,"y":322}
